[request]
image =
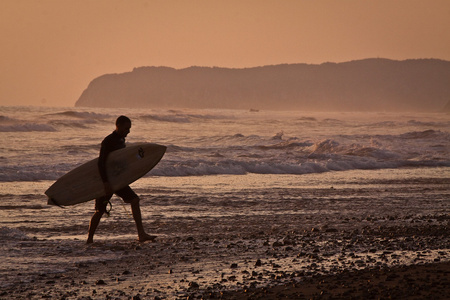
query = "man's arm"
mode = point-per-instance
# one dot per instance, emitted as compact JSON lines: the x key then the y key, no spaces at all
{"x":102,"y":168}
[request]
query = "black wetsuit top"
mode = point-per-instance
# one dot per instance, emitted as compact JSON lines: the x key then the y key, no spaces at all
{"x":111,"y":143}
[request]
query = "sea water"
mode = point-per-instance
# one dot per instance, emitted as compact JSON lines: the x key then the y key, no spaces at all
{"x":45,"y":143}
{"x":218,"y":164}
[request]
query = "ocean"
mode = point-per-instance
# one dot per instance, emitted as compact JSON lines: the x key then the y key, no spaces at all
{"x":277,"y":170}
{"x":44,"y":143}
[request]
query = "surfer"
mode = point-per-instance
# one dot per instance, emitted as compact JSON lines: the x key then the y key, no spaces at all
{"x":116,"y":141}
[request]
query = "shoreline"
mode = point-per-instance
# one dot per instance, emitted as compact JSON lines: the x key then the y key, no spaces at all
{"x":257,"y":243}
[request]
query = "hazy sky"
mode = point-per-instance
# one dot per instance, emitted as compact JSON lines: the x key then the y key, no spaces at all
{"x":51,"y":49}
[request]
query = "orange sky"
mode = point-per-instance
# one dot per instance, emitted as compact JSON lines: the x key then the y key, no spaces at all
{"x":51,"y":49}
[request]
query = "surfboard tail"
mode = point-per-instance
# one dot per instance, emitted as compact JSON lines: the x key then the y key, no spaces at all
{"x":52,"y":201}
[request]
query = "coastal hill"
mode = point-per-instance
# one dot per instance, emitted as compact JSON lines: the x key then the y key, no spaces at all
{"x":365,"y":85}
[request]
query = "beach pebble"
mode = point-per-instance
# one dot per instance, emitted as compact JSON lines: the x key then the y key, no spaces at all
{"x":277,"y":244}
{"x":100,"y":282}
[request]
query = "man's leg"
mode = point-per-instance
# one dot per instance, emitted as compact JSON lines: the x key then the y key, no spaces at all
{"x":93,"y":225}
{"x":100,"y":209}
{"x":136,"y":209}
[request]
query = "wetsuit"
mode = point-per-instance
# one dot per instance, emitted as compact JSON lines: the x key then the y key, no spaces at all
{"x":111,"y":143}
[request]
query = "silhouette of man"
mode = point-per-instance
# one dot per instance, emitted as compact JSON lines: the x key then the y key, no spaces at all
{"x":112,"y":142}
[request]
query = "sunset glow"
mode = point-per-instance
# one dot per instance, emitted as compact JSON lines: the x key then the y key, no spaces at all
{"x":51,"y":49}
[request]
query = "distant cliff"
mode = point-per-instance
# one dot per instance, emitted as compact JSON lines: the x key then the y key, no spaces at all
{"x":364,"y":85}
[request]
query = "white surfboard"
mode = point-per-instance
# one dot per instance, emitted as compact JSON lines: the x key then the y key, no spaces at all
{"x":123,"y":167}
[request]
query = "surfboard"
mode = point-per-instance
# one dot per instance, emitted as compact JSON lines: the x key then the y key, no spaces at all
{"x":123,"y":167}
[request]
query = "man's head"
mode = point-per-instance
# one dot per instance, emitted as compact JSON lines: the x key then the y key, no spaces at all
{"x":123,"y":125}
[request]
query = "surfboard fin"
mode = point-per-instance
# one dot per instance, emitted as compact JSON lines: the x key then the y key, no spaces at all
{"x":52,"y":201}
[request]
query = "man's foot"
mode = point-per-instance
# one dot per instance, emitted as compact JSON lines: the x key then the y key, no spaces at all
{"x":146,"y":237}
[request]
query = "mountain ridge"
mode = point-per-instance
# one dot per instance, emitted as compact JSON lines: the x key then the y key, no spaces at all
{"x":374,"y":84}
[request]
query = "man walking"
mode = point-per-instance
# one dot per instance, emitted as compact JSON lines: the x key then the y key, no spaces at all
{"x":112,"y":142}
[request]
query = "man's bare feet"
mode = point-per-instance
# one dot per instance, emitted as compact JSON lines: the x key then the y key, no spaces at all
{"x":146,"y":237}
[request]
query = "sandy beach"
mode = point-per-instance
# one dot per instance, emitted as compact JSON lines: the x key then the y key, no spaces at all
{"x":373,"y":243}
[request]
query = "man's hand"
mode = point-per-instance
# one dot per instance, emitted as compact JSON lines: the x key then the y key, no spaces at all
{"x":108,"y":188}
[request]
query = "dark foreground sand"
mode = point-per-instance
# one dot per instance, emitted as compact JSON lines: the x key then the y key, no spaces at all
{"x":429,"y":281}
{"x":389,"y":241}
{"x":322,"y":264}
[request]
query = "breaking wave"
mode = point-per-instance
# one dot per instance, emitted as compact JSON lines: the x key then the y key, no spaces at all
{"x":27,"y":127}
{"x":81,"y":115}
{"x":227,"y":142}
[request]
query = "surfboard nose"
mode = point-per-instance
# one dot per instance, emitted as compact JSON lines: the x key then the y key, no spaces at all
{"x":159,"y":150}
{"x":162,"y":149}
{"x":154,"y":149}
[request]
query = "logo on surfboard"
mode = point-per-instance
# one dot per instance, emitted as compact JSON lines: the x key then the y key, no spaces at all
{"x":141,"y":152}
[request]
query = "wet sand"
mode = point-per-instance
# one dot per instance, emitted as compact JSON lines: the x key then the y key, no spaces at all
{"x":391,"y":240}
{"x":428,"y":281}
{"x":315,"y":265}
